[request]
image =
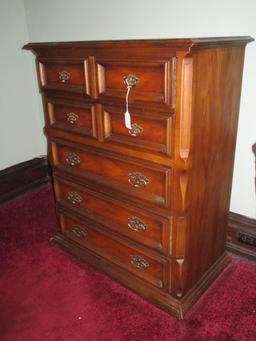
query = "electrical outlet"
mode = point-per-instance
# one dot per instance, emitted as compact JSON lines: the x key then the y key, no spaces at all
{"x":247,"y":239}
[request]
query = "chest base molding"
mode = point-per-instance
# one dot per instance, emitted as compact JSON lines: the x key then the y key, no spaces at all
{"x":164,"y":301}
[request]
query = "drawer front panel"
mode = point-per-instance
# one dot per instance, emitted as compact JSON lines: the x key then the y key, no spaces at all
{"x":150,"y":131}
{"x":150,"y":183}
{"x":154,"y":80}
{"x":142,"y":264}
{"x":76,"y":118}
{"x":134,"y":223}
{"x":66,"y":75}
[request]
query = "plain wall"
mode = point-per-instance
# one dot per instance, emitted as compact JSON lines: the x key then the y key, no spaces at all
{"x":63,"y":20}
{"x":21,"y":135}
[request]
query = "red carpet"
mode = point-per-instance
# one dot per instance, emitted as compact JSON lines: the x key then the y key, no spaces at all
{"x":45,"y":295}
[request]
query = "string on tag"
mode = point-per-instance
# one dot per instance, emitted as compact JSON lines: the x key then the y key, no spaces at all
{"x":127,"y":116}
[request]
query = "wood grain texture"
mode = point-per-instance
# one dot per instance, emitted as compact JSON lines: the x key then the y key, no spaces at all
{"x":154,"y":269}
{"x":114,"y":171}
{"x":76,"y":75}
{"x":74,"y":117}
{"x":177,"y":44}
{"x":216,"y":97}
{"x":115,"y":214}
{"x":158,"y":139}
{"x":171,"y":174}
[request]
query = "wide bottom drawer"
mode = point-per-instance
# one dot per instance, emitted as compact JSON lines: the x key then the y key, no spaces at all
{"x":149,"y":267}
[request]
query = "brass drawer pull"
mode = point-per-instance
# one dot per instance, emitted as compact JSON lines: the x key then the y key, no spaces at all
{"x":136,"y":130}
{"x":75,"y":198}
{"x":136,"y":224}
{"x":130,"y":80}
{"x":137,"y":179}
{"x":64,"y":76}
{"x":79,"y":231}
{"x":72,"y":118}
{"x":73,"y":159}
{"x":139,"y":262}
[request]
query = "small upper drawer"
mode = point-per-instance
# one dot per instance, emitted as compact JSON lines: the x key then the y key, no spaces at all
{"x":154,"y":80}
{"x":146,"y":181}
{"x":143,"y":264}
{"x":151,"y":131}
{"x":139,"y":225}
{"x":65,"y":75}
{"x":76,"y":117}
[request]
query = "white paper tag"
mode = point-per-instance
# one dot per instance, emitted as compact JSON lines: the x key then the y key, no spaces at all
{"x":127,"y":119}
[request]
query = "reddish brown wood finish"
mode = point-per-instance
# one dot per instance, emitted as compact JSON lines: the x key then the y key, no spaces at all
{"x":76,"y":79}
{"x":154,"y":80}
{"x":111,"y":170}
{"x":118,"y":251}
{"x":185,"y":105}
{"x":78,"y":118}
{"x":114,"y":214}
{"x":216,"y":101}
{"x":158,"y":139}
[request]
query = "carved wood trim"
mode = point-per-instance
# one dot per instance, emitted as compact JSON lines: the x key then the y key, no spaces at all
{"x":87,"y":76}
{"x":168,"y":83}
{"x":183,"y":188}
{"x":186,"y":107}
{"x":179,"y":256}
{"x":94,"y":122}
{"x":101,"y":78}
{"x":41,"y":73}
{"x":174,"y":78}
{"x":169,"y":44}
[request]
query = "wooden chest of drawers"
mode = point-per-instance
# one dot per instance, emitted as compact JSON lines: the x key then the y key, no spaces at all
{"x":147,"y":204}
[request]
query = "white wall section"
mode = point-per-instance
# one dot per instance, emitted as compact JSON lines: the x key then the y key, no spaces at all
{"x":21,"y":136}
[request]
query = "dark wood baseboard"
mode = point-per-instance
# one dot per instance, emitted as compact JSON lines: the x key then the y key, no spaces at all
{"x":20,"y":178}
{"x":23,"y":177}
{"x":241,"y":238}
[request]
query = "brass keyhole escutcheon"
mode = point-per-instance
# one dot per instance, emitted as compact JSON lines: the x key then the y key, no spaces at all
{"x":72,"y":118}
{"x":64,"y":76}
{"x":74,"y":198}
{"x":79,"y":232}
{"x":130,"y":80}
{"x":136,"y":130}
{"x":73,"y":159}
